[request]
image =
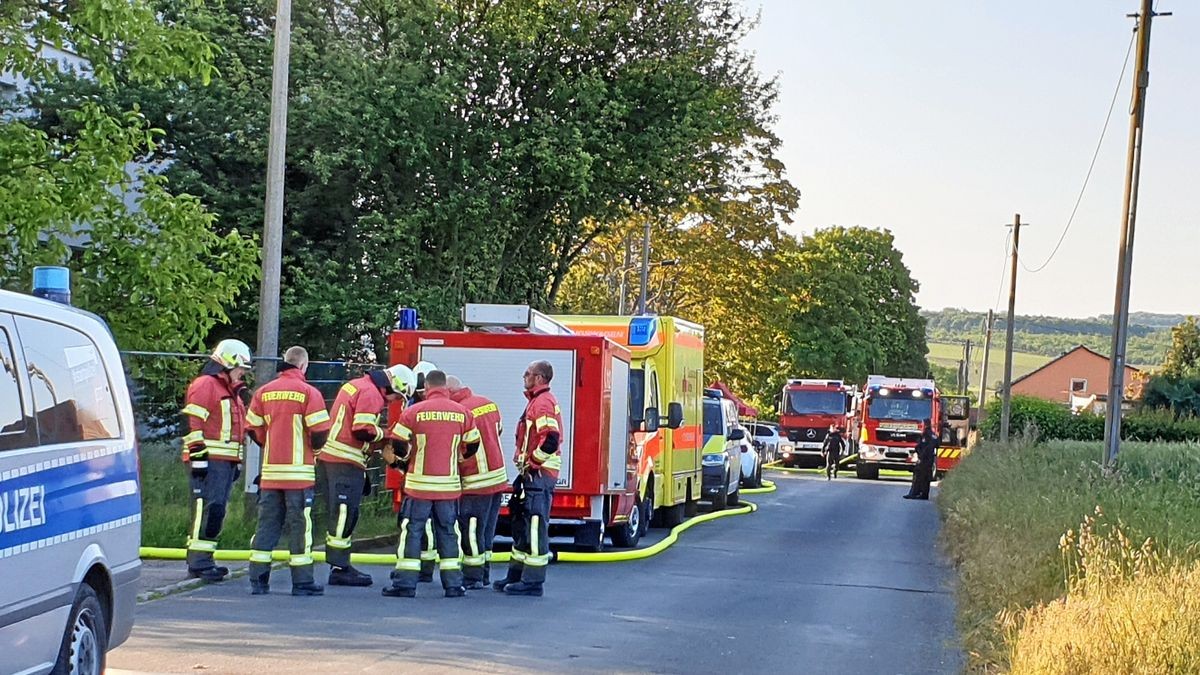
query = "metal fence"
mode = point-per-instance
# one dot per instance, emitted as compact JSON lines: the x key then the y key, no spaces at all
{"x":159,"y":380}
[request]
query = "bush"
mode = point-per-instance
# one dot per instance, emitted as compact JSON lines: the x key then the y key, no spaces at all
{"x":1046,"y":420}
{"x":1005,"y":509}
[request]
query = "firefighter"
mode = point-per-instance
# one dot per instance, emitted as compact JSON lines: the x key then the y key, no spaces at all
{"x":538,"y":460}
{"x":342,"y":464}
{"x":215,"y":408}
{"x":288,"y":419}
{"x":422,"y":369}
{"x":484,"y":480}
{"x":926,"y":457}
{"x":831,"y":450}
{"x":432,"y":437}
{"x":429,"y":554}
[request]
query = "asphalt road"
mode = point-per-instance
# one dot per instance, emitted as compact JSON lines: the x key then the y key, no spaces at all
{"x":839,"y":577}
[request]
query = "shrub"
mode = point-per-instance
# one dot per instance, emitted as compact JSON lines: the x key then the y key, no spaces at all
{"x":1045,"y":420}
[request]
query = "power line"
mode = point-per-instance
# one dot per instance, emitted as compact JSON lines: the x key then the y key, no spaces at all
{"x":1003,"y":264}
{"x":1095,"y":155}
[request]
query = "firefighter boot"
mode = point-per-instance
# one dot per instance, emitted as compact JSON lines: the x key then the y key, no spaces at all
{"x":348,"y":576}
{"x":513,"y":577}
{"x":209,"y":574}
{"x":523,"y":588}
{"x":397,"y":592}
{"x":426,"y":575}
{"x":308,"y":589}
{"x":260,"y":585}
{"x":455,"y":592}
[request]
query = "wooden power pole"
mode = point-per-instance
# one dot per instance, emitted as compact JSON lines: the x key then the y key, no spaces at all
{"x":987,"y":355}
{"x":272,"y":251}
{"x":1133,"y":168}
{"x":1006,"y":408}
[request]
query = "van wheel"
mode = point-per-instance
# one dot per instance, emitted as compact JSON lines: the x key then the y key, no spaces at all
{"x":630,"y":531}
{"x":85,"y":642}
{"x":867,"y":472}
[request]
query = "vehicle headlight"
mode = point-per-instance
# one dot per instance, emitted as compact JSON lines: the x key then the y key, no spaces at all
{"x":713,"y":460}
{"x":787,"y":447}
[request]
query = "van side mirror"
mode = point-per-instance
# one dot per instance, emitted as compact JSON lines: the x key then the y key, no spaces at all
{"x":674,"y":415}
{"x":737,"y":434}
{"x":650,"y":421}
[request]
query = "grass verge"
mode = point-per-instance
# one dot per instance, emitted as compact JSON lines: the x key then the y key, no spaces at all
{"x":167,"y":511}
{"x":1006,"y":511}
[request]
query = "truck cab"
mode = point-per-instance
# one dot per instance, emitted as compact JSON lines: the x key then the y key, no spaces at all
{"x":892,"y":414}
{"x":807,"y":408}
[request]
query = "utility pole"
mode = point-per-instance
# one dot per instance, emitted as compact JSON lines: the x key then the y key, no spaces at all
{"x":1133,"y":169}
{"x":272,"y":251}
{"x":987,"y":355}
{"x":624,"y":271}
{"x":641,"y":308}
{"x":966,"y":369}
{"x":1006,"y":408}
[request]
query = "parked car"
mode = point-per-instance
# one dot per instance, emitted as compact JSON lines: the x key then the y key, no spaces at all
{"x":721,"y":480}
{"x":69,"y":486}
{"x":765,"y":437}
{"x":750,"y":460}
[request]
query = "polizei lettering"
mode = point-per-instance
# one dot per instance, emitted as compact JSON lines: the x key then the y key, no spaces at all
{"x":22,"y":508}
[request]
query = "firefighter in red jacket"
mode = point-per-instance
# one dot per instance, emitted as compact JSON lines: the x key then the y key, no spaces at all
{"x":342,"y":464}
{"x":289,"y":420}
{"x":215,"y":408}
{"x":538,"y":460}
{"x":432,"y":436}
{"x":484,"y":480}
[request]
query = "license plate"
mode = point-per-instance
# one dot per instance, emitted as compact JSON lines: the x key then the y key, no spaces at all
{"x":504,"y":498}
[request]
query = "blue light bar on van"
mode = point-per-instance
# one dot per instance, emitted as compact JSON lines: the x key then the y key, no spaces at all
{"x":52,"y":283}
{"x":641,"y":330}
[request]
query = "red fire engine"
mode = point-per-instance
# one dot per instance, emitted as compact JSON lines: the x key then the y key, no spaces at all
{"x":806,"y":410}
{"x":891,"y":417}
{"x":597,"y":490}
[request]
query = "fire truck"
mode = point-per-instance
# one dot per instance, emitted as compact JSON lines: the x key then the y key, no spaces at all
{"x":891,"y":415}
{"x":806,"y":410}
{"x":598,"y":490}
{"x":956,"y":413}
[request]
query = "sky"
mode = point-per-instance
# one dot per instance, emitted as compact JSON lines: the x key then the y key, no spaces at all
{"x":941,"y":120}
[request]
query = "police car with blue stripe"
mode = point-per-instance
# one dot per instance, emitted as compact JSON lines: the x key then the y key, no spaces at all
{"x":70,"y":500}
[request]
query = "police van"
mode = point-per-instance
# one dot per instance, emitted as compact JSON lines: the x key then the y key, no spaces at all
{"x":70,"y":500}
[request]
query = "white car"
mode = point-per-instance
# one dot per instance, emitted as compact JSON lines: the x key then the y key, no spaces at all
{"x":751,"y":461}
{"x":765,"y":436}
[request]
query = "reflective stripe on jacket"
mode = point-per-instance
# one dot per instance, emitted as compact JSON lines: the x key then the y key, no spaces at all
{"x":286,"y":412}
{"x":356,"y":408}
{"x":216,"y":419}
{"x":483,"y":473}
{"x":436,"y":430}
{"x":542,"y":416}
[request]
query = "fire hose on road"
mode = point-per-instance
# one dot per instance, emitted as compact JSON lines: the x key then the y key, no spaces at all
{"x":158,"y":553}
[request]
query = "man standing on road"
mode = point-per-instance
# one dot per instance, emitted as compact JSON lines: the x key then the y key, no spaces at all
{"x":538,"y":460}
{"x":926,"y":457}
{"x":484,"y":480}
{"x":342,"y":464}
{"x":215,"y":407}
{"x":289,"y":420}
{"x":433,"y":436}
{"x":831,"y":449}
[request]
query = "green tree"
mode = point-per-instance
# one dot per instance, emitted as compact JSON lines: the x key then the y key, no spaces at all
{"x":852,"y":308}
{"x":157,"y":271}
{"x":1183,"y":356}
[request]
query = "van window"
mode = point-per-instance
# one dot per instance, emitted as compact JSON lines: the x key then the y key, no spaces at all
{"x":714,"y":423}
{"x":71,"y":393}
{"x":637,"y":393}
{"x":15,"y":428}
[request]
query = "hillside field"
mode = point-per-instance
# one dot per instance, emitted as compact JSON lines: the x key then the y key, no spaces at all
{"x":944,"y":354}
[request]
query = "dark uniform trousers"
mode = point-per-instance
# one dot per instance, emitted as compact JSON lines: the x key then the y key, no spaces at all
{"x":477,"y":516}
{"x":210,"y":495}
{"x":415,"y":516}
{"x":280,"y":511}
{"x":530,"y":509}
{"x":342,"y":485}
{"x":832,"y":457}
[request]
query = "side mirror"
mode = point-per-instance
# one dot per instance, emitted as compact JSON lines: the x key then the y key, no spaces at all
{"x":737,"y":434}
{"x":650,"y":421}
{"x":674,"y":415}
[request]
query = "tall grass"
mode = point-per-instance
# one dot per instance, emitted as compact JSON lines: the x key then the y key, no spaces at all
{"x":167,"y":506}
{"x":1006,"y":510}
{"x":1128,"y":609}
